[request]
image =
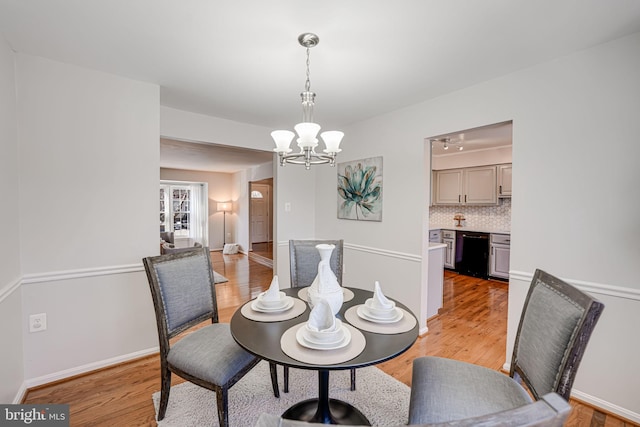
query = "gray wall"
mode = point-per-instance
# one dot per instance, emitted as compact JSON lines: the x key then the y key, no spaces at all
{"x":575,"y":178}
{"x":89,"y":154}
{"x":11,"y":325}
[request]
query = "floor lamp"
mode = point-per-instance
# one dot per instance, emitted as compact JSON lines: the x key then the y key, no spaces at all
{"x":224,"y":207}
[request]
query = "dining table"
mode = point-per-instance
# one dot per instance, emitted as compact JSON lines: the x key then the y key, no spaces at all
{"x":274,"y":337}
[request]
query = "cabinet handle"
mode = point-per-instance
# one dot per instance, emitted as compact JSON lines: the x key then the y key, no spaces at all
{"x":459,"y":198}
{"x":501,"y":189}
{"x":465,"y":198}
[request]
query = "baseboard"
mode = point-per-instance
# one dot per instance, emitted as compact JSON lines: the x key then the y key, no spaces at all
{"x":83,"y":369}
{"x":596,"y":403}
{"x":22,"y":392}
{"x":603,"y":405}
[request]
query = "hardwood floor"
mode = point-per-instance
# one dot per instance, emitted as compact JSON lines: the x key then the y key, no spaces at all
{"x":470,"y":327}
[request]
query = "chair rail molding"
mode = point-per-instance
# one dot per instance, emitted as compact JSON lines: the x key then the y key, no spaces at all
{"x":10,"y":288}
{"x":54,"y":276}
{"x":371,"y":250}
{"x":591,"y":287}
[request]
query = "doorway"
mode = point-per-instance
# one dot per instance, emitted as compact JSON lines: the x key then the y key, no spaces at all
{"x":471,"y":189}
{"x":260,"y":219}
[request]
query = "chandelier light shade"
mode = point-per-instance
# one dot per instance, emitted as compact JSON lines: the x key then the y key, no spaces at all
{"x":307,"y":130}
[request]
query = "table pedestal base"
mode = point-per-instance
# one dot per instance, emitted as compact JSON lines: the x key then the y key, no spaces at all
{"x":339,"y":412}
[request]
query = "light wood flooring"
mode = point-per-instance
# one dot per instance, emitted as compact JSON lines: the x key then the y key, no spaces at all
{"x":470,"y":327}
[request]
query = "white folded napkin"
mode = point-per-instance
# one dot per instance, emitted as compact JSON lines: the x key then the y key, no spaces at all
{"x":321,"y":317}
{"x":273,"y":293}
{"x":379,"y":300}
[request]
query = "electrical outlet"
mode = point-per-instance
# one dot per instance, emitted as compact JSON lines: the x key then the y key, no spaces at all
{"x":38,"y":322}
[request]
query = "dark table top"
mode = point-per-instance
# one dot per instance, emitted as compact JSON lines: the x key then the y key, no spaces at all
{"x":263,"y":338}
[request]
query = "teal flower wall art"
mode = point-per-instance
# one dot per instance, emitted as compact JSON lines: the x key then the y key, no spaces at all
{"x":360,"y":190}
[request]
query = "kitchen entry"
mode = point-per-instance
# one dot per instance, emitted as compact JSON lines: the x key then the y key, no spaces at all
{"x":470,"y":199}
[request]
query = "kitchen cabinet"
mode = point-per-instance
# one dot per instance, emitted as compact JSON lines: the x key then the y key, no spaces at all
{"x":504,"y":180}
{"x":434,"y":236}
{"x":468,"y":186}
{"x":499,"y":255}
{"x":448,"y":187}
{"x":435,"y":279}
{"x":449,"y":239}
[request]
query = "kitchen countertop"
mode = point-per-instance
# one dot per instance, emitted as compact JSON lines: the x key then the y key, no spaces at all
{"x":467,"y":228}
{"x":434,"y":246}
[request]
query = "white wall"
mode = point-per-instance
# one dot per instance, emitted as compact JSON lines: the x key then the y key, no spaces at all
{"x":89,"y":172}
{"x":575,"y":178}
{"x":11,"y":319}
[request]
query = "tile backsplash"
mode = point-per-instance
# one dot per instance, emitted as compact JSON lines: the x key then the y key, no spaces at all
{"x":485,"y":217}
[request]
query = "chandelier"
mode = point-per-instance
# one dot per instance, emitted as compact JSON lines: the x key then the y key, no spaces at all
{"x":307,"y":130}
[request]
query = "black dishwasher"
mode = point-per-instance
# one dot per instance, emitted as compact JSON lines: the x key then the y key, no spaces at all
{"x":475,"y":254}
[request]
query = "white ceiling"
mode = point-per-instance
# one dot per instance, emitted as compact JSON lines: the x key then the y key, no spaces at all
{"x":240,"y":59}
{"x":482,"y":138}
{"x":209,"y":157}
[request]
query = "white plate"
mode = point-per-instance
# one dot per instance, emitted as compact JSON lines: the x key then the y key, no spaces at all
{"x":310,"y":340}
{"x":371,"y":318}
{"x":287,"y":304}
{"x":317,"y":346}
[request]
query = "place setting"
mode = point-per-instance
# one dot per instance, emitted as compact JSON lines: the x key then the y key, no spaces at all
{"x":273,"y":305}
{"x":380,"y":315}
{"x":323,"y":339}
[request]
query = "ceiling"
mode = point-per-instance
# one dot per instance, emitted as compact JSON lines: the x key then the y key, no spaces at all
{"x":240,"y":59}
{"x":209,"y":157}
{"x":482,"y":138}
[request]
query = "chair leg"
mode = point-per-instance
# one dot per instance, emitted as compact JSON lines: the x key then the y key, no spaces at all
{"x":286,"y":379}
{"x":353,"y":379}
{"x":274,"y":379}
{"x":165,"y":388}
{"x":222,"y":397}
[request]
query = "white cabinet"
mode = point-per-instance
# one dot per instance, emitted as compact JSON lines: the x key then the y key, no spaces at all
{"x":504,"y":180}
{"x":448,"y":188}
{"x":469,"y":186}
{"x":449,"y":239}
{"x":434,"y":236}
{"x":435,"y":280}
{"x":480,"y":186}
{"x":499,"y":256}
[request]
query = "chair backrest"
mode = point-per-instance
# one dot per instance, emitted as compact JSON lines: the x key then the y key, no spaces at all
{"x":182,"y":288}
{"x":304,"y":259}
{"x":167,"y":236}
{"x":555,"y":326}
{"x":550,"y":411}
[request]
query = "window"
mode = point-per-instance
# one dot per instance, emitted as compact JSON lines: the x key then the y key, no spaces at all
{"x":255,"y":194}
{"x":183,"y":208}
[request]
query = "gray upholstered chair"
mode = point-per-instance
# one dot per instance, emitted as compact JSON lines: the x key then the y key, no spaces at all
{"x":303,"y":267}
{"x":167,"y":236}
{"x":182,"y":288}
{"x":555,"y":327}
{"x":550,"y":411}
{"x":170,"y":248}
{"x":304,"y":259}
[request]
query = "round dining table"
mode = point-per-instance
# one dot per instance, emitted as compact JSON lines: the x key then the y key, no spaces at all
{"x":263,"y":339}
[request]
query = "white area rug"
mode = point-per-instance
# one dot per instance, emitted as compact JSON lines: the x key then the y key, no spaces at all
{"x":380,"y":397}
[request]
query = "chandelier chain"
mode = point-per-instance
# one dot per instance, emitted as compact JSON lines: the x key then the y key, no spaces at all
{"x":307,"y":85}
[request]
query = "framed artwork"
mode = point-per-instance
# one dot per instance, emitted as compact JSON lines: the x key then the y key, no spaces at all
{"x":360,"y":190}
